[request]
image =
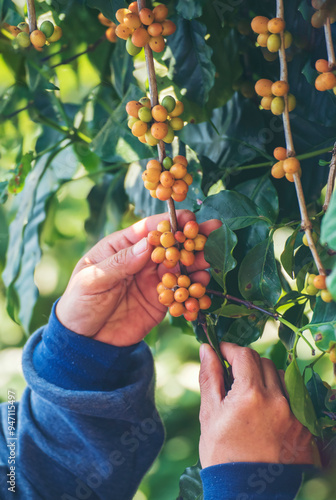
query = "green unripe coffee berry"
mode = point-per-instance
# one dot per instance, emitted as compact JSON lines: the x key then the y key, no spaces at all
{"x":176,"y":123}
{"x":145,"y":101}
{"x":57,"y":34}
{"x":23,"y":40}
{"x":131,"y":48}
{"x":170,"y":136}
{"x":291,"y":102}
{"x":131,"y":122}
{"x":311,"y":290}
{"x":47,"y":28}
{"x":305,"y":241}
{"x":151,"y":141}
{"x":169,"y":103}
{"x":274,"y":43}
{"x":310,"y":279}
{"x":23,"y":27}
{"x":278,"y":106}
{"x":288,"y":39}
{"x":326,"y":296}
{"x":145,"y":114}
{"x":167,"y":163}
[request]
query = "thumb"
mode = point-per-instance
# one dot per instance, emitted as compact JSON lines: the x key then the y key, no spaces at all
{"x":124,"y":264}
{"x":211,"y":380}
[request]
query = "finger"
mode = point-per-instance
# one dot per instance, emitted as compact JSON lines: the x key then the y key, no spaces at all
{"x":122,"y":265}
{"x":271,"y":377}
{"x":199,"y":264}
{"x":211,"y":381}
{"x":200,"y":277}
{"x":210,"y":225}
{"x":245,"y":364}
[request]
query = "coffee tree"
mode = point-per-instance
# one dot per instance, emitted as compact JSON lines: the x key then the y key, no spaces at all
{"x":224,"y":108}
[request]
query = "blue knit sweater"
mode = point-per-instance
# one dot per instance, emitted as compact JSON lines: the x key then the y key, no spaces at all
{"x":87,"y":428}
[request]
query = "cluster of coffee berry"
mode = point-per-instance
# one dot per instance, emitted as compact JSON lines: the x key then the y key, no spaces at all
{"x":324,"y":9}
{"x":172,"y":181}
{"x":273,"y":95}
{"x":152,"y":124}
{"x":110,"y":33}
{"x":316,"y":283}
{"x":46,"y":34}
{"x":285,"y":167}
{"x":327,"y":79}
{"x":181,"y":296}
{"x":269,"y":30}
{"x":147,"y":26}
{"x":167,"y":244}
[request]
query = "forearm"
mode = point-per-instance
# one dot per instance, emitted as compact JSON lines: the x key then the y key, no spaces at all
{"x":87,"y":418}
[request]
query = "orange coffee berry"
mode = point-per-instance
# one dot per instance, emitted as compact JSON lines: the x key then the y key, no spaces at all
{"x":183,"y":281}
{"x":104,"y":20}
{"x":266,"y":102}
{"x":200,"y":242}
{"x":159,"y":130}
{"x":278,"y":171}
{"x":320,"y":282}
{"x":139,"y":128}
{"x":181,"y":295}
{"x":154,"y":238}
{"x":179,"y":197}
{"x":133,"y":7}
{"x":180,"y":187}
{"x":180,"y":159}
{"x":322,"y":66}
{"x":163,"y":193}
{"x":262,"y":39}
{"x":325,"y":81}
{"x":190,"y":229}
{"x":263,"y":87}
{"x":163,"y":226}
{"x":188,"y":179}
{"x":173,"y":254}
{"x":146,"y":16}
{"x":189,"y":245}
{"x":178,"y":170}
{"x":155,"y":29}
{"x":280,"y":153}
{"x":260,"y":24}
{"x":151,"y":175}
{"x":159,"y":113}
{"x":160,"y":13}
{"x":276,"y":25}
{"x":110,"y":34}
{"x":197,"y":290}
{"x":177,"y":309}
{"x":290,"y":177}
{"x":166,"y":297}
{"x":169,"y":264}
{"x":168,"y":27}
{"x":180,"y":237}
{"x":291,"y":165}
{"x":169,"y":280}
{"x":132,"y":108}
{"x":167,"y":179}
{"x":132,"y":21}
{"x":154,"y":164}
{"x":158,"y":255}
{"x":123,"y":31}
{"x":192,"y":305}
{"x":187,"y":258}
{"x":37,"y":38}
{"x":178,"y":110}
{"x":204,"y":302}
{"x":280,"y":88}
{"x":140,"y":37}
{"x":157,"y":43}
{"x":150,"y":185}
{"x":167,"y":239}
{"x":190,"y":316}
{"x":160,"y":288}
{"x":121,"y":13}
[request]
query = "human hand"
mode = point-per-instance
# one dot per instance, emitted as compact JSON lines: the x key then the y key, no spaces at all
{"x":111,"y":295}
{"x":253,"y":421}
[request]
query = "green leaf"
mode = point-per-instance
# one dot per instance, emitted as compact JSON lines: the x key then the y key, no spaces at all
{"x":233,"y":311}
{"x":331,"y":283}
{"x":317,"y":392}
{"x":235,"y":209}
{"x":245,"y":330}
{"x":295,"y":316}
{"x":300,"y":401}
{"x":190,"y":65}
{"x":218,"y":252}
{"x":262,"y":192}
{"x":258,"y":276}
{"x":287,"y":256}
{"x":328,"y":231}
{"x":191,"y":484}
{"x":278,"y":354}
{"x":190,"y":9}
{"x":122,"y":68}
{"x":107,"y":7}
{"x":323,"y":324}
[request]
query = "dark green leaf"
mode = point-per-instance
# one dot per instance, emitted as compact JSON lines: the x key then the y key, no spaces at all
{"x":278,"y":354}
{"x":233,"y":311}
{"x":317,"y":392}
{"x":191,"y":484}
{"x":121,"y":69}
{"x":190,"y":9}
{"x":323,"y":324}
{"x":258,"y":277}
{"x":300,"y":402}
{"x":190,"y":64}
{"x":245,"y":330}
{"x":287,"y":256}
{"x":264,"y":195}
{"x":107,"y":7}
{"x":235,"y":209}
{"x":218,"y":253}
{"x":295,"y":316}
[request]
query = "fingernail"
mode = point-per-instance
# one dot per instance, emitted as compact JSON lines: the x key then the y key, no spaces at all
{"x":140,"y":247}
{"x":202,"y":352}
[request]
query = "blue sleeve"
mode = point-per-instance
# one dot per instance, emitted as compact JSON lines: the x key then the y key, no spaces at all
{"x":87,"y":426}
{"x":253,"y":481}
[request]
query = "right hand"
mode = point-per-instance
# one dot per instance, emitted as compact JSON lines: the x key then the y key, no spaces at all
{"x":253,"y":421}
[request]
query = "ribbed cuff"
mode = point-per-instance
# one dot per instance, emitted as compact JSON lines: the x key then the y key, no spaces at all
{"x":253,"y":481}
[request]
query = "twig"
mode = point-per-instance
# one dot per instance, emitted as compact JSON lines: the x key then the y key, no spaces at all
{"x":154,"y":101}
{"x":331,"y":180}
{"x":305,"y":221}
{"x":62,"y":49}
{"x":90,"y":48}
{"x":31,"y":15}
{"x":11,"y":115}
{"x":329,"y":43}
{"x":245,"y":303}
